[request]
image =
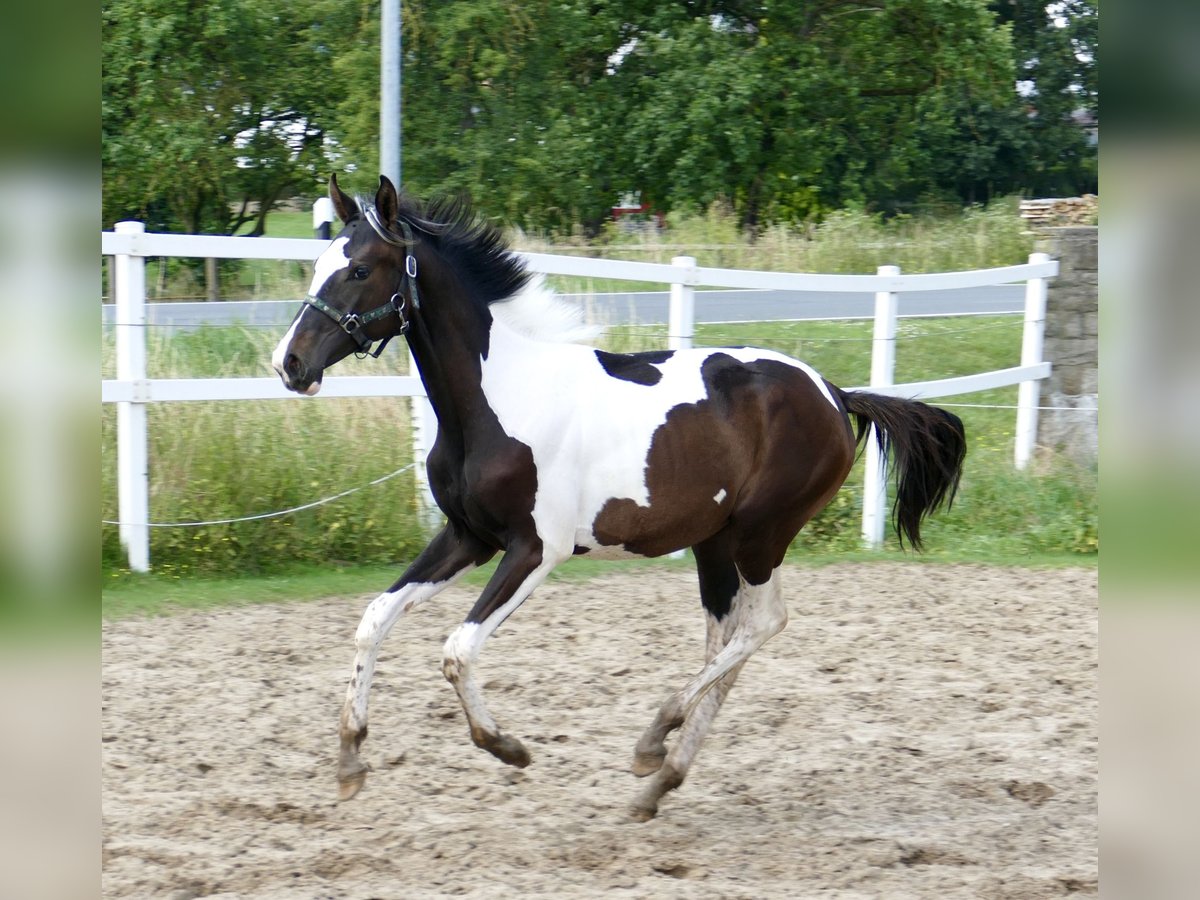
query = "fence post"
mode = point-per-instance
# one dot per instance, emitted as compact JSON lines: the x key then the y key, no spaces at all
{"x":133,"y":470}
{"x":1028,"y":393}
{"x":323,"y":216}
{"x":681,"y":319}
{"x":883,"y":371}
{"x":424,"y":433}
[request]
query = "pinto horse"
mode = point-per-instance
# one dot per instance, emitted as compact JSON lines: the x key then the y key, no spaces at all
{"x":548,"y":449}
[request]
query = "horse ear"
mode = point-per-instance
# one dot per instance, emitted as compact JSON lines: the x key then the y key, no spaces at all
{"x":386,"y":202}
{"x":345,"y":207}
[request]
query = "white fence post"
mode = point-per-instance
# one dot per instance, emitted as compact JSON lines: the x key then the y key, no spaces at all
{"x":133,"y":469}
{"x":1029,"y":392}
{"x":883,"y":372}
{"x":681,"y":318}
{"x":424,"y":433}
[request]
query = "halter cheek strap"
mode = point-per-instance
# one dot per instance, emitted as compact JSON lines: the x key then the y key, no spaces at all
{"x":355,"y":323}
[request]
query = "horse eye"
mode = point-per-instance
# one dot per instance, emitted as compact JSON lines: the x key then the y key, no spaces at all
{"x":361,"y":272}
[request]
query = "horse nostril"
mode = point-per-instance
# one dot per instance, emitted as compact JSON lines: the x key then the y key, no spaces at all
{"x":291,"y":365}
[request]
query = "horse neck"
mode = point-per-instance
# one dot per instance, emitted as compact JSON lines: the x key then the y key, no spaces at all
{"x":447,"y":342}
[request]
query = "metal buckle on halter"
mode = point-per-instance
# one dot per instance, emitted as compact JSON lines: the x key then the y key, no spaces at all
{"x":399,"y":305}
{"x":350,"y":323}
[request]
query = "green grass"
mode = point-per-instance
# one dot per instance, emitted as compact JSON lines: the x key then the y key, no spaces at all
{"x":286,"y":223}
{"x":124,"y":594}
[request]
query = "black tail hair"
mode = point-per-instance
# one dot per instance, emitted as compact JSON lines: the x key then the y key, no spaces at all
{"x":928,"y":446}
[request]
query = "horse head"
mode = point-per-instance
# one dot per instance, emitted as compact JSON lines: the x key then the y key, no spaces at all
{"x":363,"y":291}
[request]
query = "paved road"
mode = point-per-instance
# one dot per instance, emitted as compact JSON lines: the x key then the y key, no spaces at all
{"x":649,"y":307}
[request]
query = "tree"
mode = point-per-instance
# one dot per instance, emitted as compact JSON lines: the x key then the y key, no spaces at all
{"x":1055,"y":50}
{"x":810,"y":107}
{"x":543,"y":112}
{"x":212,"y":112}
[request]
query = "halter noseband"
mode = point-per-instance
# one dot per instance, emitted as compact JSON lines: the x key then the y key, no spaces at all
{"x":354,"y":323}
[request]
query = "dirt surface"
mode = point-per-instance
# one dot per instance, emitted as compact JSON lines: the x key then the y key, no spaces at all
{"x":916,"y":731}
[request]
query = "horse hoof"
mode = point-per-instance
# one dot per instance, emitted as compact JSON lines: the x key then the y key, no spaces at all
{"x":349,"y":784}
{"x":510,"y":750}
{"x":647,"y":763}
{"x":639,"y":813}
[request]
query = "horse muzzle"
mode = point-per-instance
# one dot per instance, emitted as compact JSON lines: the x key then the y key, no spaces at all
{"x":296,"y":376}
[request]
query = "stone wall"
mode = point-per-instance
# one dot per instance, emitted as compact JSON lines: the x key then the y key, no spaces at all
{"x":1072,"y":329}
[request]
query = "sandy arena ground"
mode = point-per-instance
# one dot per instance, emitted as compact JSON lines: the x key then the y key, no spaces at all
{"x":916,"y":731}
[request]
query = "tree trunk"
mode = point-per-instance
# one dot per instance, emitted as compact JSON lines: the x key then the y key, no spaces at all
{"x":211,"y":284}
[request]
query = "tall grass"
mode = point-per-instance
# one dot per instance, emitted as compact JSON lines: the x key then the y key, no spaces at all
{"x":223,"y":460}
{"x":846,"y":242}
{"x":211,"y":460}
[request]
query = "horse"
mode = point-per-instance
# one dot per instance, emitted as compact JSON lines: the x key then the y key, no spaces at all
{"x":548,"y":448}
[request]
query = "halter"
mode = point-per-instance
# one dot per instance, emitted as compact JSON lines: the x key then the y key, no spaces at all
{"x":354,"y":323}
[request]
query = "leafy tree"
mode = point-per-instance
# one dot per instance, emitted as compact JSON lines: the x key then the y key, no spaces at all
{"x":543,"y":112}
{"x":1055,"y":49}
{"x":803,"y":109}
{"x":212,"y":112}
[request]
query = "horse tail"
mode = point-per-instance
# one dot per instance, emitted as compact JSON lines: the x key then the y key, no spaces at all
{"x":928,"y":446}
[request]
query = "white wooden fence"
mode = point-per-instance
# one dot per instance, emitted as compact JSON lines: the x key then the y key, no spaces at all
{"x":131,"y":390}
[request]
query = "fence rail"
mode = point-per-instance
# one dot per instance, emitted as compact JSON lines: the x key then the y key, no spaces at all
{"x":131,"y":390}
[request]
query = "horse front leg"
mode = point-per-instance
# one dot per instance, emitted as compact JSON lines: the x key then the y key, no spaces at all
{"x":519,"y":572}
{"x":448,"y":557}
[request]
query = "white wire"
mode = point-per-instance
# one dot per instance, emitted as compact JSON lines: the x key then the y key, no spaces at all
{"x":1004,"y":406}
{"x":270,"y":515}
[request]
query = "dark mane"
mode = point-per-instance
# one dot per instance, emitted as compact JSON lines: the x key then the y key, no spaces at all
{"x":471,"y":245}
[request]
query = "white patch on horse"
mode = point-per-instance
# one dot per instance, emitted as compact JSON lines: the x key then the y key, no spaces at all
{"x":538,"y":313}
{"x":583,"y":461}
{"x":281,"y":349}
{"x":333,"y":260}
{"x":590,"y":433}
{"x":720,"y":495}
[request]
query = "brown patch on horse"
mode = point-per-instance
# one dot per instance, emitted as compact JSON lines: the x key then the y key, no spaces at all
{"x":764,"y":422}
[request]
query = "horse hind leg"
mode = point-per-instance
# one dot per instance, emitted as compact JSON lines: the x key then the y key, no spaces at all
{"x":447,"y":558}
{"x":651,"y":749}
{"x":719,"y":584}
{"x":757,"y":614}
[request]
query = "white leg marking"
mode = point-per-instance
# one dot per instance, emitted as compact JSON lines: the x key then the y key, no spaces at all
{"x":762,"y":616}
{"x":378,"y":620}
{"x":463,"y":646}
